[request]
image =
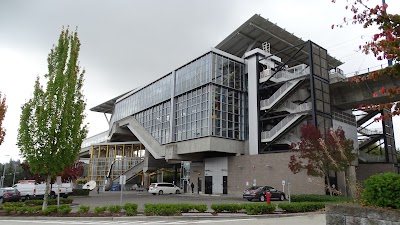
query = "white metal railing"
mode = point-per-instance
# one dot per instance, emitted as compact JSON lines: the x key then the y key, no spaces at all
{"x":366,"y":131}
{"x":287,"y":120}
{"x":372,"y":158}
{"x":288,"y":106}
{"x":288,"y":74}
{"x":283,"y":89}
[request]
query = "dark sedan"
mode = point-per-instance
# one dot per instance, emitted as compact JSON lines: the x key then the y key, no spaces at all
{"x":258,"y":192}
{"x":9,"y":195}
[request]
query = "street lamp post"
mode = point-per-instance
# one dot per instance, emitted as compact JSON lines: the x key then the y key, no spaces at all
{"x":15,"y":168}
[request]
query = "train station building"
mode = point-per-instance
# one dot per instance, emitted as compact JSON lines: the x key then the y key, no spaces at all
{"x":226,"y":120}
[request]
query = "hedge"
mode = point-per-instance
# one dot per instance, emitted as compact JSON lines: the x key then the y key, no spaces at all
{"x":79,"y":192}
{"x":130,"y":209}
{"x":226,"y":207}
{"x":99,"y":209}
{"x":258,"y":208}
{"x":172,"y":209}
{"x":319,"y":198}
{"x":296,"y":207}
{"x":49,"y":201}
{"x":83,"y":209}
{"x":383,"y":190}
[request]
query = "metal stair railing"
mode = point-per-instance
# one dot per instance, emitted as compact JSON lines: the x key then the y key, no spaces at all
{"x":288,"y":106}
{"x":371,"y":158}
{"x":366,"y":131}
{"x":287,"y":120}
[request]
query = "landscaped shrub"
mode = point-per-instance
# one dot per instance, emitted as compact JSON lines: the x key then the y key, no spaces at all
{"x":99,"y":209}
{"x":227,"y":207}
{"x":83,"y":209}
{"x":49,"y":210}
{"x":258,"y":208}
{"x":130,"y":209}
{"x":65,"y":200}
{"x":22,"y":209}
{"x":79,"y":192}
{"x":383,"y":190}
{"x":9,"y":209}
{"x":114,"y":208}
{"x":33,"y":209}
{"x":319,"y":198}
{"x":161,"y":210}
{"x":13,"y":204}
{"x":64,"y":209}
{"x":296,"y":207}
{"x":201,"y":207}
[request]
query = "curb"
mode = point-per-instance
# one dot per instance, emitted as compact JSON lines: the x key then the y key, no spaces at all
{"x":186,"y":216}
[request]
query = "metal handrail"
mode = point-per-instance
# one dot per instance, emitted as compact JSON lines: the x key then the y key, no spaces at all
{"x":372,"y":158}
{"x":366,"y":131}
{"x":301,"y":108}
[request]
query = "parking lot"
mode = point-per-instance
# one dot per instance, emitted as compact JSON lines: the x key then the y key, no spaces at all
{"x":140,"y":198}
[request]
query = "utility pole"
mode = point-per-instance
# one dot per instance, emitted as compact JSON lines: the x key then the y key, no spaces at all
{"x":15,"y":168}
{"x":4,"y":173}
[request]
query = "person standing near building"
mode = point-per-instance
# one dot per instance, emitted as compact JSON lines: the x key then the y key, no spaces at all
{"x":192,"y":186}
{"x":98,"y":189}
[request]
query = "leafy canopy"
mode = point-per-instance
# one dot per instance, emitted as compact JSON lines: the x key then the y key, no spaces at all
{"x":319,"y":154}
{"x":51,"y":125}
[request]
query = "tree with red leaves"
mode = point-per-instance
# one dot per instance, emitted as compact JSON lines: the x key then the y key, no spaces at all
{"x":320,"y":154}
{"x":70,"y":173}
{"x":384,"y":45}
{"x":3,"y":110}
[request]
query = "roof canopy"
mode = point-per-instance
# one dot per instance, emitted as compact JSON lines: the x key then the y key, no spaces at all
{"x":256,"y":30}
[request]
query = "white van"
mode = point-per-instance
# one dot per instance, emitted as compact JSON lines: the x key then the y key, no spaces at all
{"x":27,"y":190}
{"x":164,"y":188}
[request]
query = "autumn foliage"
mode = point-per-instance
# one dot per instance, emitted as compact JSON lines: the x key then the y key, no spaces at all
{"x":385,"y":44}
{"x":70,"y":173}
{"x":319,"y":153}
{"x":3,"y":110}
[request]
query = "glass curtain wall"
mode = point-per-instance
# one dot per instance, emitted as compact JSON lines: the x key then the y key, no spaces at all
{"x":149,"y":96}
{"x":191,"y":117}
{"x":156,"y":121}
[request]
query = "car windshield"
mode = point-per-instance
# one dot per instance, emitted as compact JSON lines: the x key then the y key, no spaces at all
{"x":152,"y":185}
{"x":254,"y":188}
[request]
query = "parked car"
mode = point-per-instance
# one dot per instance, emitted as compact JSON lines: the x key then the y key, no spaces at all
{"x":164,"y":188}
{"x":258,"y":192}
{"x":27,"y":190}
{"x":9,"y":195}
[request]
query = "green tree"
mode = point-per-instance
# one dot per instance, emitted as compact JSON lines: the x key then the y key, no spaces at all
{"x":320,"y":154}
{"x":3,"y":110}
{"x":51,"y":126}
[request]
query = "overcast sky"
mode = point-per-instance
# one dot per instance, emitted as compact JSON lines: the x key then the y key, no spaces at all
{"x":126,"y":44}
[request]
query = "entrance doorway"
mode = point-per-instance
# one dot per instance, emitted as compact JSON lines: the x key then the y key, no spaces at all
{"x":225,"y":185}
{"x":208,"y":184}
{"x":199,"y":183}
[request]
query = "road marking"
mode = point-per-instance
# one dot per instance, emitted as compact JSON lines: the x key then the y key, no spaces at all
{"x":124,"y":222}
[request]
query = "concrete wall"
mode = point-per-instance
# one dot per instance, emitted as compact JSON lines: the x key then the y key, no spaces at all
{"x":217,"y":168}
{"x":364,"y":171}
{"x":269,"y":169}
{"x":348,"y":214}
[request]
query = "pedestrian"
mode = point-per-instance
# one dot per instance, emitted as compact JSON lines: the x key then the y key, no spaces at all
{"x":98,"y":190}
{"x":192,"y":186}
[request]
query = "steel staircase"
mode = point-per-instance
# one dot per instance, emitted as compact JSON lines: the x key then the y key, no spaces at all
{"x":300,"y":111}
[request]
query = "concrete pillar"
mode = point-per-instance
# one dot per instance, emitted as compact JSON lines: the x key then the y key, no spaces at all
{"x":146,"y":180}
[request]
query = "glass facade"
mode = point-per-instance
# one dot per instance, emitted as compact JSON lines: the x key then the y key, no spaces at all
{"x":151,"y":95}
{"x":191,"y":117}
{"x":227,"y":113}
{"x":156,"y":121}
{"x":227,"y":72}
{"x":208,"y":100}
{"x":193,"y":75}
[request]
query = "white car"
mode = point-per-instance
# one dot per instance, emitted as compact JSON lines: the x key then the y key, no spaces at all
{"x":164,"y":188}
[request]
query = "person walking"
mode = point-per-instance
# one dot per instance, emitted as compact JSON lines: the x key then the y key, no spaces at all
{"x":98,"y":190}
{"x":192,"y":186}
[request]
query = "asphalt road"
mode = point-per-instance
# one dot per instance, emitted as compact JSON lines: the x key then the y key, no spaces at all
{"x":313,"y":219}
{"x":140,"y":198}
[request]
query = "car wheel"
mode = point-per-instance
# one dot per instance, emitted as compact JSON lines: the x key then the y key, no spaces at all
{"x":27,"y":197}
{"x":262,"y":198}
{"x":282,"y":197}
{"x":160,"y":192}
{"x":249,"y":200}
{"x":177,"y":192}
{"x":65,"y":196}
{"x":1,"y":200}
{"x":153,"y":193}
{"x":52,"y":194}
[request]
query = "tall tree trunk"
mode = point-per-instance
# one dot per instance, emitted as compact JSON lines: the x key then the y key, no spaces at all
{"x":46,"y":192}
{"x":329,"y":184}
